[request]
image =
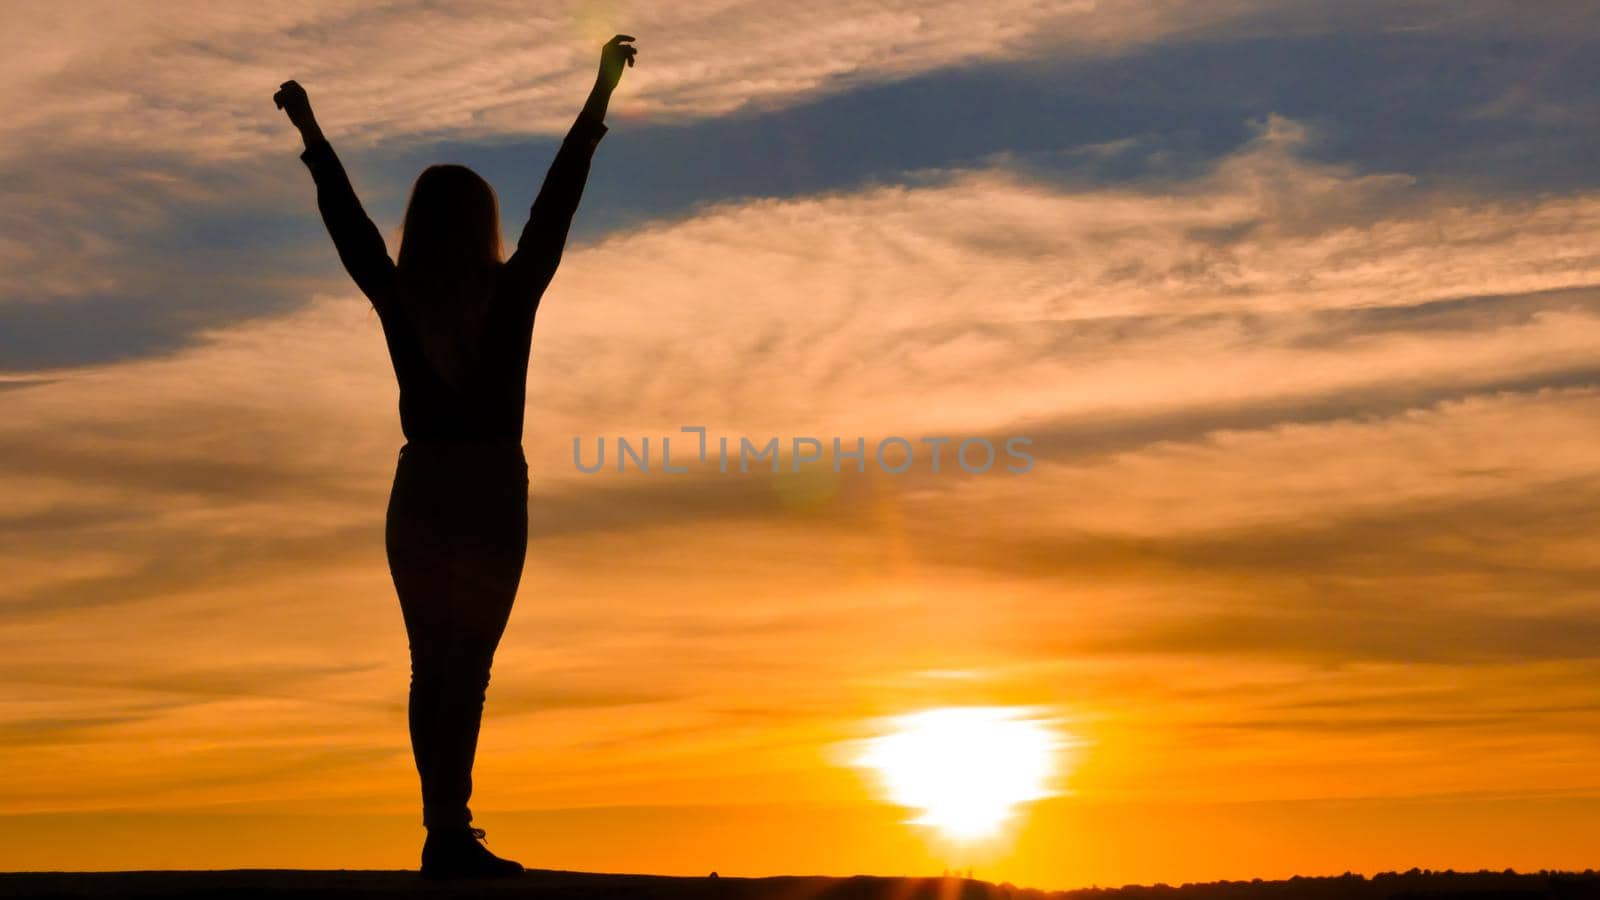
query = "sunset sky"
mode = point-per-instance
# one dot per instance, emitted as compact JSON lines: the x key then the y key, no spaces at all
{"x":1299,"y":303}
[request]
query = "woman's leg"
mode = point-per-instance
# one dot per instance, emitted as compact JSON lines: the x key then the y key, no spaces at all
{"x":457,"y":538}
{"x":417,"y":542}
{"x":492,"y":541}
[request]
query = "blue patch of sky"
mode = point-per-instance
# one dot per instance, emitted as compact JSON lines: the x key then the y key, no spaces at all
{"x":1508,"y":117}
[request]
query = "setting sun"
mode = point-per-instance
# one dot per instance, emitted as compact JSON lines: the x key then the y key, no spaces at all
{"x":966,"y":769}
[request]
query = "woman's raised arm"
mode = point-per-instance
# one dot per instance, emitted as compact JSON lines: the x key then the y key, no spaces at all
{"x":538,"y":251}
{"x":359,"y":242}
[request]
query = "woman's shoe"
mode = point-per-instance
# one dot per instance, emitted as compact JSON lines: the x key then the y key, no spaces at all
{"x":459,"y":853}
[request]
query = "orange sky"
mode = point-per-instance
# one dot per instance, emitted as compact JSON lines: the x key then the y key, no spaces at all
{"x":1305,"y":565}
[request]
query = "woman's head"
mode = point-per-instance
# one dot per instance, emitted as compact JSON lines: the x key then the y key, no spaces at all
{"x":449,"y":251}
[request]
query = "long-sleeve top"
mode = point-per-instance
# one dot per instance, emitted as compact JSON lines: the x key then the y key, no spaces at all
{"x":489,"y":406}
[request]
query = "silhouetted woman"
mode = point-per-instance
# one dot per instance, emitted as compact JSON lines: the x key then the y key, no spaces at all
{"x":458,"y":323}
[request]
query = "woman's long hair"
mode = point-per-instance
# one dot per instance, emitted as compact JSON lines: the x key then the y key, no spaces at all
{"x":449,"y":255}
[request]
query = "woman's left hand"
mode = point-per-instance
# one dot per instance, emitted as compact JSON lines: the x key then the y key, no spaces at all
{"x":292,"y":99}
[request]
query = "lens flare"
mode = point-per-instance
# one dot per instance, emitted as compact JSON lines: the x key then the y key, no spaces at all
{"x":966,"y":769}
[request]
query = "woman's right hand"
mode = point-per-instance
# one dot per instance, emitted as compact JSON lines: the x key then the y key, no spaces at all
{"x":616,"y":53}
{"x":292,"y":99}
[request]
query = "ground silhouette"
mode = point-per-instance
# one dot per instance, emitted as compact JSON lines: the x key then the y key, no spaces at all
{"x":558,"y":885}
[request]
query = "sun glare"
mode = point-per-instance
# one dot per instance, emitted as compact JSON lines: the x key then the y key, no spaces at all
{"x":966,"y":769}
